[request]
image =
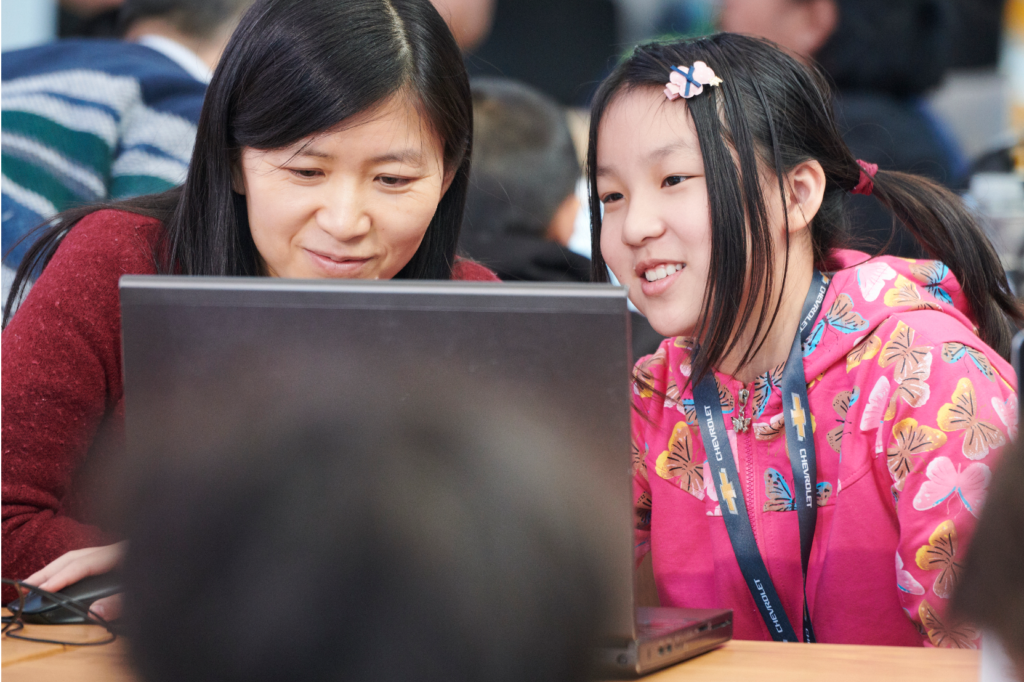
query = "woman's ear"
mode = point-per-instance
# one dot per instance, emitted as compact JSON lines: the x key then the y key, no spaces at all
{"x":805,"y":188}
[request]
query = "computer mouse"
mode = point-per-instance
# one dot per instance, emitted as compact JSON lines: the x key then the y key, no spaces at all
{"x":42,"y":610}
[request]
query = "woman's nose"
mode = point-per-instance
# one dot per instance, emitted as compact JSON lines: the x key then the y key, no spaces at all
{"x":343,"y":216}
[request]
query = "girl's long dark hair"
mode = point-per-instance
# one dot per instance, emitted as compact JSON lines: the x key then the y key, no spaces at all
{"x":294,"y":68}
{"x":775,"y":113}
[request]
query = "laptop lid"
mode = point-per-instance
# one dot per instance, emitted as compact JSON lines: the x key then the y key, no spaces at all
{"x":565,"y":345}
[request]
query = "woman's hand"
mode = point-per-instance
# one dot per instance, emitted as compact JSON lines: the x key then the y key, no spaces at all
{"x":82,"y":563}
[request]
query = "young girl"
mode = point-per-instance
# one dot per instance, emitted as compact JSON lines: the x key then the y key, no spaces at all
{"x":813,"y":444}
{"x":334,"y":142}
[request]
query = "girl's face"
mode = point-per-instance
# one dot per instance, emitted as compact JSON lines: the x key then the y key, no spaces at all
{"x":353,"y":202}
{"x":656,"y":231}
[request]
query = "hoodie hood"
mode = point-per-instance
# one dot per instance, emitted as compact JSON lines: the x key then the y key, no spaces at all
{"x":865,"y":292}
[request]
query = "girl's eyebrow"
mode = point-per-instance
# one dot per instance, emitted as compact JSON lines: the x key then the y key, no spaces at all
{"x":669,"y":149}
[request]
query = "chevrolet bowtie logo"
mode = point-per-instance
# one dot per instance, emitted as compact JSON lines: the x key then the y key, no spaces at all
{"x":799,"y":417}
{"x":728,"y":492}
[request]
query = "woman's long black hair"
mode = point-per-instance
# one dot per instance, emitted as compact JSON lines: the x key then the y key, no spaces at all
{"x":294,"y":68}
{"x":776,"y":113}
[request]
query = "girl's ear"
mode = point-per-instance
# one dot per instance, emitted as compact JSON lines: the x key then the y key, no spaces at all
{"x":805,"y":188}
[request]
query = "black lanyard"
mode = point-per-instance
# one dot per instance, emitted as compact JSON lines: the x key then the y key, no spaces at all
{"x":800,"y":443}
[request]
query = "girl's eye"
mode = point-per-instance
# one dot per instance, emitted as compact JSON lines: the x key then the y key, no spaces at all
{"x":672,"y":180}
{"x":610,"y":197}
{"x":393,"y":181}
{"x":305,"y":173}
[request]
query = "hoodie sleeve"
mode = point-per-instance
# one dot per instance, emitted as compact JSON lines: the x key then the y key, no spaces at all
{"x":949,"y":411}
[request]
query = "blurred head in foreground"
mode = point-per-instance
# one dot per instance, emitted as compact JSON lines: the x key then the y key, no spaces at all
{"x":991,"y":590}
{"x":360,"y":533}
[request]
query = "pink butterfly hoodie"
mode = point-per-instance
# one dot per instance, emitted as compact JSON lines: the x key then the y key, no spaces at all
{"x":909,"y":409}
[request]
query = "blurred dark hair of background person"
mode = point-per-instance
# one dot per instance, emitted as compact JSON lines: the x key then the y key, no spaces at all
{"x":522,"y":204}
{"x":360,"y":532}
{"x":882,"y":55}
{"x":990,"y":592}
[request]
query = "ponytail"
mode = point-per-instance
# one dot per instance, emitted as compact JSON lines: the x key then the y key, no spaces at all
{"x":948,"y":232}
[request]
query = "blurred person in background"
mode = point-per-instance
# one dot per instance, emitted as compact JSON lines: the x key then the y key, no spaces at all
{"x":88,"y":18}
{"x":88,"y":120}
{"x":344,"y":535}
{"x":521,"y":204}
{"x":468,"y":20}
{"x":882,"y":55}
{"x":561,"y":48}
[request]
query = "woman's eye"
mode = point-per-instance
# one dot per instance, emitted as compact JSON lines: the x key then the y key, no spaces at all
{"x":306,"y":173}
{"x":393,"y":181}
{"x":610,"y":197}
{"x":672,"y":180}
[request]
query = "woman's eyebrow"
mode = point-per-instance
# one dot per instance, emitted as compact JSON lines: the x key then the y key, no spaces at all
{"x":410,"y":156}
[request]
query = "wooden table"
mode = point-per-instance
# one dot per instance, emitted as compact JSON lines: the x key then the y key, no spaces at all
{"x":34,"y":662}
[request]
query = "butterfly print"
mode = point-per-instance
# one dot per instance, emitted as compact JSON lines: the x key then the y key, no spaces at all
{"x":912,"y":365}
{"x":864,"y":350}
{"x":638,"y":457}
{"x":872,"y":278}
{"x":905,"y":293}
{"x":709,"y":489}
{"x":824,"y":492}
{"x":961,"y":415}
{"x":685,"y":342}
{"x":1007,"y":411}
{"x":763,"y":387}
{"x":725,"y":398}
{"x":874,"y":414}
{"x":957,"y":636}
{"x":905,"y":581}
{"x":780,"y":498}
{"x":841,"y":317}
{"x":932,"y":274}
{"x":673,"y":399}
{"x":954,"y":351}
{"x":911,"y":441}
{"x":677,"y":462}
{"x":642,"y":509}
{"x":644,"y":373}
{"x":940,"y":555}
{"x":841,"y":404}
{"x":771,"y":429}
{"x":970,"y":485}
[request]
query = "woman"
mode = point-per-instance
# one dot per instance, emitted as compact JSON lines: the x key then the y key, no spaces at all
{"x":334,"y":142}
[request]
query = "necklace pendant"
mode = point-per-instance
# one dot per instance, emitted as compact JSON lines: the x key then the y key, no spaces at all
{"x":740,"y":424}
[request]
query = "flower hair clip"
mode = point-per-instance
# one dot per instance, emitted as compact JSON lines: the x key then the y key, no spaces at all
{"x":688,"y":81}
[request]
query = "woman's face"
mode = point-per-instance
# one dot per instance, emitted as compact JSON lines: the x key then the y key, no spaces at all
{"x":656,"y":231}
{"x":352,"y":202}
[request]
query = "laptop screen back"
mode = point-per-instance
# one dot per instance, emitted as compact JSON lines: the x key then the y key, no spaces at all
{"x":564,"y":347}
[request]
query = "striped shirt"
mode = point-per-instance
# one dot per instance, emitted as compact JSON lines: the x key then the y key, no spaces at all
{"x":90,"y":120}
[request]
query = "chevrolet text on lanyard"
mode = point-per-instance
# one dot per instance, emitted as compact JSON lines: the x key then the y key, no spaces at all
{"x":799,"y":442}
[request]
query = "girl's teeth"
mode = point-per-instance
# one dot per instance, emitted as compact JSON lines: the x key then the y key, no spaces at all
{"x":662,"y":271}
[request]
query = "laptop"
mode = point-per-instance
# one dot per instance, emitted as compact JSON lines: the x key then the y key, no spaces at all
{"x":564,"y":344}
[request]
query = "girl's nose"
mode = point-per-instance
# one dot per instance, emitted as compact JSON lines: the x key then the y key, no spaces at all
{"x":641,"y":223}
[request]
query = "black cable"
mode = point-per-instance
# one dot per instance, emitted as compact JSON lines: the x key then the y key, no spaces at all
{"x":14,"y":623}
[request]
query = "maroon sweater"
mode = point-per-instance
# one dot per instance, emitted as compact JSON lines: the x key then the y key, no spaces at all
{"x":63,"y":393}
